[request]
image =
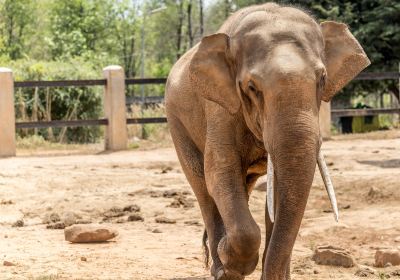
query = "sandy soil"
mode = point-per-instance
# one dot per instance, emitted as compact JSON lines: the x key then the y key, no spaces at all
{"x":90,"y":184}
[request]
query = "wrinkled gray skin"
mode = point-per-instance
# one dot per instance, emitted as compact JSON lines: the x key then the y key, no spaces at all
{"x":254,"y":88}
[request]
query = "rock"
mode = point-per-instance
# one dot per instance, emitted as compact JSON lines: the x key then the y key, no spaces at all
{"x":386,"y":256}
{"x":132,"y":208}
{"x":51,"y":218}
{"x":69,"y":218}
{"x":166,"y":169}
{"x":84,"y":259}
{"x":114,"y":212}
{"x":83,"y":222}
{"x":135,"y":218}
{"x":156,"y":230}
{"x":7,"y":263}
{"x":18,"y":223}
{"x":182,"y":201}
{"x":89,"y":233}
{"x":170,"y":193}
{"x":58,"y":225}
{"x":120,"y":220}
{"x":397,"y":239}
{"x":395,"y":273}
{"x":164,"y":220}
{"x":6,"y":202}
{"x":334,"y":256}
{"x":365,"y":271}
{"x":192,"y":223}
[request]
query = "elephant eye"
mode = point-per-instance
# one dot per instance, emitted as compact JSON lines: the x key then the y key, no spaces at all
{"x":252,"y":88}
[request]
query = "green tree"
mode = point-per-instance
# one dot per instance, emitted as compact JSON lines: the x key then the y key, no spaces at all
{"x":16,"y":22}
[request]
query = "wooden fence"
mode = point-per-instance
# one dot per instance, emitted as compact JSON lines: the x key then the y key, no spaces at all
{"x":115,"y":120}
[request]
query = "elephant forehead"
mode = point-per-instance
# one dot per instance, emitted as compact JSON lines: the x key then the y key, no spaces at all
{"x":258,"y":33}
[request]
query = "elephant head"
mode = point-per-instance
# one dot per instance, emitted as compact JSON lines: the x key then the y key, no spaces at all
{"x":274,"y":70}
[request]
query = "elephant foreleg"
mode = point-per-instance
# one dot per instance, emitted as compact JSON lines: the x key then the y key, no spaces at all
{"x":192,"y":164}
{"x":238,"y":249}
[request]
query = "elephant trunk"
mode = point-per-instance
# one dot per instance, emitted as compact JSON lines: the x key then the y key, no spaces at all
{"x":293,"y":150}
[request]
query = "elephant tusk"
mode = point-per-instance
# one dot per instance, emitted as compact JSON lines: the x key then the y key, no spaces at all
{"x":270,"y":189}
{"x":323,"y":169}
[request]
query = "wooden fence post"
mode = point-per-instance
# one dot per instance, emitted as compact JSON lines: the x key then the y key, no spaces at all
{"x":325,"y":119}
{"x":7,"y":114}
{"x":116,"y":136}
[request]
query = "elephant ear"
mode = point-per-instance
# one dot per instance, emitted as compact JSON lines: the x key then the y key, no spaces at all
{"x":211,"y":71}
{"x":345,"y":58}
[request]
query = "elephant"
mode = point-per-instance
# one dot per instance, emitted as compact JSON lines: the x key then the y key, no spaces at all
{"x":246,"y":100}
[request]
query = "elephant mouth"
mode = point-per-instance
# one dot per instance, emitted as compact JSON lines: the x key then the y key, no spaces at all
{"x":323,"y":169}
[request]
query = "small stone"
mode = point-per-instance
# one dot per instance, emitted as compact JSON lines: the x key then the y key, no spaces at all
{"x":89,"y":233}
{"x":121,"y":220}
{"x":156,"y":231}
{"x":192,"y":223}
{"x":365,"y":271}
{"x":6,"y":202}
{"x":397,"y":239}
{"x":166,"y":169}
{"x":334,"y":256}
{"x":395,"y":273}
{"x":135,"y":218}
{"x":51,"y":218}
{"x":69,"y":218}
{"x":58,"y":225}
{"x":316,"y":271}
{"x":114,"y":212}
{"x":386,"y":256}
{"x":6,"y":236}
{"x":84,"y":259}
{"x":132,"y":208}
{"x":18,"y":223}
{"x":83,"y":222}
{"x":170,"y":193}
{"x":7,"y":263}
{"x":164,"y":220}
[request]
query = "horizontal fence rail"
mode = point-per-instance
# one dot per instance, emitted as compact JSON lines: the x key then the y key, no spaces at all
{"x":150,"y":81}
{"x":68,"y":83}
{"x":362,"y":112}
{"x":85,"y":83}
{"x":81,"y":123}
{"x":72,"y":123}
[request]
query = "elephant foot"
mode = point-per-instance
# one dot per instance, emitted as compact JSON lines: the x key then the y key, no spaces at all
{"x":222,"y":275}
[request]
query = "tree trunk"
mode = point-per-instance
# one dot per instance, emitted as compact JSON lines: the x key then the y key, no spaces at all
{"x":201,"y":8}
{"x":179,"y":30}
{"x":190,"y":31}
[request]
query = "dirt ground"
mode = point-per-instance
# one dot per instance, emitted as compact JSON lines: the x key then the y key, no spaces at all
{"x":365,"y":170}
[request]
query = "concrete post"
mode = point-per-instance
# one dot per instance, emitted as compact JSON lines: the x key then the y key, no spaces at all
{"x":116,"y":136}
{"x":7,"y":114}
{"x":325,"y":119}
